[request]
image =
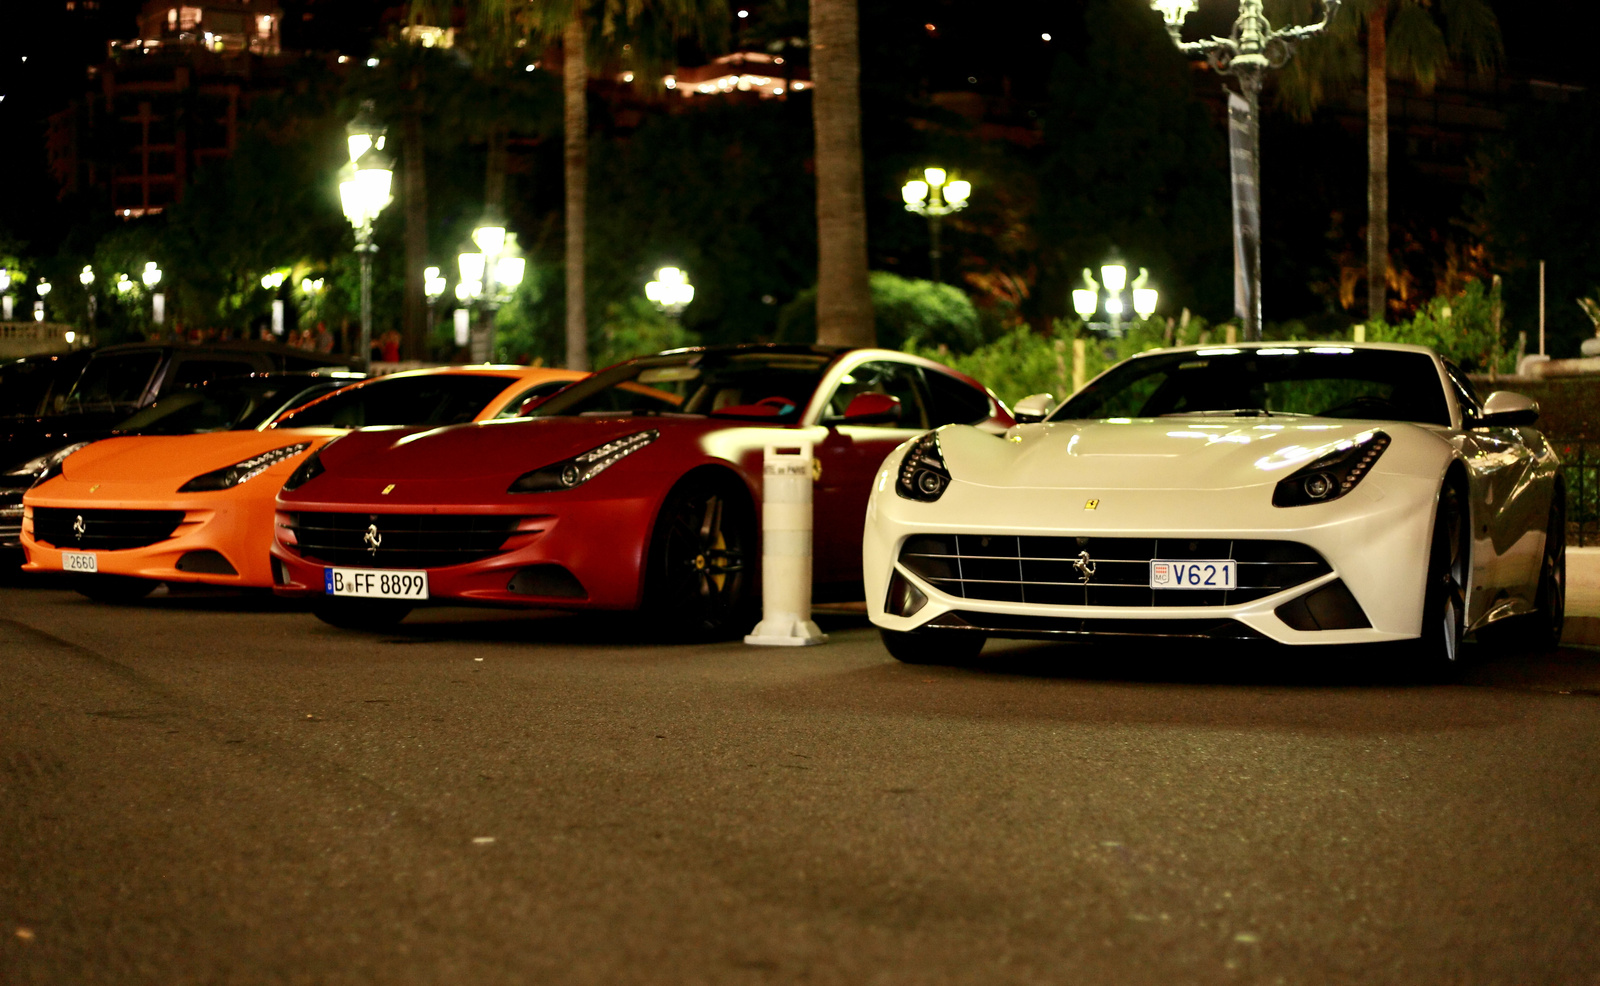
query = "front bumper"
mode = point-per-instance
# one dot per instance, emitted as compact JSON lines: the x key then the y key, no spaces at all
{"x":222,"y":537}
{"x":1374,"y":542}
{"x":557,"y":551}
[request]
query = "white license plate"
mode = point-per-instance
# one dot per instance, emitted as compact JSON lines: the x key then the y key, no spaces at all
{"x":79,"y":561}
{"x":1193,"y":574}
{"x":375,"y":583}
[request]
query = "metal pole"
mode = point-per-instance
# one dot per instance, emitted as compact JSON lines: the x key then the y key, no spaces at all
{"x":1541,"y":308}
{"x":933,"y":248}
{"x":365,"y":248}
{"x":1251,"y":83}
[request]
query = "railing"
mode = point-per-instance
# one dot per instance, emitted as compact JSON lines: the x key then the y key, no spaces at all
{"x":1580,"y":463}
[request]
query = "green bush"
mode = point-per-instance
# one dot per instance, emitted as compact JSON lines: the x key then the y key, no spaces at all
{"x":904,"y":312}
{"x":1462,"y":328}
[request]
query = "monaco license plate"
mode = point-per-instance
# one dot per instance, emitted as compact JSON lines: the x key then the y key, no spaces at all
{"x":1193,"y":574}
{"x":79,"y":561}
{"x":374,"y":583}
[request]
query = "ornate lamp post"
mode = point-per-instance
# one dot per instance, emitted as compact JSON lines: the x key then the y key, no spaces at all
{"x":489,"y":277}
{"x":1252,"y":49}
{"x":86,"y":278}
{"x":364,"y":194}
{"x":670,"y":291}
{"x":6,"y":301}
{"x":935,"y":198}
{"x":43,"y":287}
{"x":1114,"y":278}
{"x":158,"y":301}
{"x":433,"y":284}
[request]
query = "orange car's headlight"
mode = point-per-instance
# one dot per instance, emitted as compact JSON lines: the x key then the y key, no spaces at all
{"x":231,"y":476}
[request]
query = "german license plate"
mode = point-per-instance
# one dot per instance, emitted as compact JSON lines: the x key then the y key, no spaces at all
{"x":374,"y":583}
{"x":1194,"y":574}
{"x":79,"y":561}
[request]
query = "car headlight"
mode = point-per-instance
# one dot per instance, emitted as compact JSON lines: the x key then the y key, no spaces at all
{"x":311,"y":468}
{"x":47,"y":466}
{"x":1333,"y":475}
{"x":579,"y":469}
{"x":231,"y":476}
{"x":922,"y":472}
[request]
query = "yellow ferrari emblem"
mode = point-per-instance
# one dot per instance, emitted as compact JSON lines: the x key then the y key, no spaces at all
{"x":94,"y":487}
{"x":388,"y":489}
{"x":816,"y":470}
{"x":1092,"y":505}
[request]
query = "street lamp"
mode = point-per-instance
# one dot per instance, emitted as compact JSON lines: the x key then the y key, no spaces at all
{"x":489,"y":277}
{"x":272,"y":281}
{"x":5,"y":295}
{"x":86,"y":278}
{"x":1253,"y":48}
{"x":433,"y":284}
{"x":364,"y":194}
{"x":1086,"y":301}
{"x":671,"y":290}
{"x":43,"y":287}
{"x":158,"y":301}
{"x":124,"y":285}
{"x":935,"y":198}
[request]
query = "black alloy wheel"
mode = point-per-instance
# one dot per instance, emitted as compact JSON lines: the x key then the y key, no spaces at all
{"x":115,"y":588}
{"x":371,"y":615}
{"x":1550,"y":602}
{"x":701,"y":580}
{"x":953,"y":647}
{"x":1444,"y":598}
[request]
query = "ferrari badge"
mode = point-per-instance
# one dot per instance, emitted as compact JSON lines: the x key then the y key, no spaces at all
{"x":1092,"y":505}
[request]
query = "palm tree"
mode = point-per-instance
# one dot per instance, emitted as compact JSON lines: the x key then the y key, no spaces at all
{"x":1409,"y":40}
{"x":844,"y":299}
{"x":603,"y":27}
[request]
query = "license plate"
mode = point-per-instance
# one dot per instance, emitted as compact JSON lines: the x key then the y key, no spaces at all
{"x":79,"y":561}
{"x":1193,"y":574}
{"x":375,"y":583}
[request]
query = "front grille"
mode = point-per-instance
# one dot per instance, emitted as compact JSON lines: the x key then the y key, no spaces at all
{"x":1022,"y":569}
{"x":104,"y":530}
{"x":10,"y":518}
{"x":400,"y":540}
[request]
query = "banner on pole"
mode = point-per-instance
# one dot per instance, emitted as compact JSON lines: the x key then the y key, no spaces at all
{"x":1246,"y":203}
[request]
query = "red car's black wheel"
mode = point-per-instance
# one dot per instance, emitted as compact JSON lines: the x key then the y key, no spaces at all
{"x":701,"y":575}
{"x":1550,"y":612}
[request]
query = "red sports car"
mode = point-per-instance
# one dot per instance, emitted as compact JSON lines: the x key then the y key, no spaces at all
{"x":637,"y":488}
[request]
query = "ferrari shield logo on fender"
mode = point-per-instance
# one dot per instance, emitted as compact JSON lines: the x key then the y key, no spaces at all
{"x":79,"y":526}
{"x":372,"y":538}
{"x":388,"y":489}
{"x":1092,"y":505}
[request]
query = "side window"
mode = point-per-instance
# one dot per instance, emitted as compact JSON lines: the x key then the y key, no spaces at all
{"x":117,"y":380}
{"x":540,"y":391}
{"x":897,"y":380}
{"x":1471,"y":407}
{"x":953,"y":402}
{"x":190,"y":372}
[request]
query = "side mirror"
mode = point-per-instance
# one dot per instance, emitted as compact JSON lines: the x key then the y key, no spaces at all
{"x":872,"y":409}
{"x":1506,"y":409}
{"x":1033,"y":409}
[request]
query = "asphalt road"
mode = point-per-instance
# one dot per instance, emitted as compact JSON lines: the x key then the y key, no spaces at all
{"x":216,"y":789}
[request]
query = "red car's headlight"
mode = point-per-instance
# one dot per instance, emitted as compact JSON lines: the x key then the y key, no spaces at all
{"x":239,"y":472}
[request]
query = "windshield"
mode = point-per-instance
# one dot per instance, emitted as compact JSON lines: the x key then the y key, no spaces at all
{"x":429,"y":400}
{"x":226,"y":405}
{"x":739,"y":384}
{"x":25,"y":384}
{"x":118,"y":380}
{"x":1328,"y":381}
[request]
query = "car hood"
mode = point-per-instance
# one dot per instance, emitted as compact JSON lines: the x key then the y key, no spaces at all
{"x":162,"y":459}
{"x":489,"y":449}
{"x":1173,"y":453}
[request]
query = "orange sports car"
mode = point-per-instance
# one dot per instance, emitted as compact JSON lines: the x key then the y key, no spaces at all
{"x":125,"y":514}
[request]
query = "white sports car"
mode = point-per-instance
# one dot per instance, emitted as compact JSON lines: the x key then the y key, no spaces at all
{"x":1303,"y":493}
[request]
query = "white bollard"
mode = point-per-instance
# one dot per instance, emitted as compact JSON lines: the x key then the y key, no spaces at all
{"x":786,"y":550}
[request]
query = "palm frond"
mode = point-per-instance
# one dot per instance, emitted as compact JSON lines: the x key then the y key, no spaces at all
{"x":1417,"y":49}
{"x":1473,"y":32}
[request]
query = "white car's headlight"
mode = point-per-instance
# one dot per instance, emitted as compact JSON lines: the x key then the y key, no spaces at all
{"x":231,"y":476}
{"x":1333,"y":475}
{"x":922,"y":473}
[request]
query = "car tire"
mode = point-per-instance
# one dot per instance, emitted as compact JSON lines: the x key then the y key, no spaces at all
{"x":115,"y":588}
{"x":1444,"y":595}
{"x":700,"y":580}
{"x":957,"y":647}
{"x":372,"y":615}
